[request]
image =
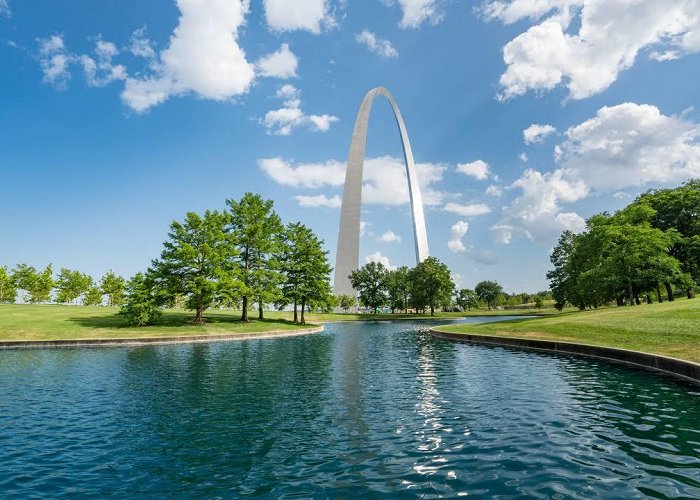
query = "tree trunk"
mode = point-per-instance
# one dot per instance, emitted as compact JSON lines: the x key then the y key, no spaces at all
{"x":260,"y":310}
{"x":432,"y":310}
{"x":199,"y":315}
{"x":296,"y":317}
{"x":658,"y":293}
{"x":691,"y":293}
{"x":303,"y":306}
{"x":669,"y":291}
{"x":648,"y":298}
{"x":631,"y":291}
{"x":244,"y":313}
{"x":619,"y":301}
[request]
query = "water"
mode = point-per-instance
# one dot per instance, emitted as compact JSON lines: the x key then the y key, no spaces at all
{"x":373,"y":409}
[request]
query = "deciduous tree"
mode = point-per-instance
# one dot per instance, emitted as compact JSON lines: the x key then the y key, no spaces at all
{"x":370,"y":283}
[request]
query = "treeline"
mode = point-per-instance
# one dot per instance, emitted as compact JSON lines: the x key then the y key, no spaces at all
{"x":649,"y":250}
{"x":428,"y":286}
{"x":70,"y":286}
{"x":234,"y":258}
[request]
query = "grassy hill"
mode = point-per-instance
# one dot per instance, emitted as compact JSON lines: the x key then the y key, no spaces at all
{"x":671,"y":328}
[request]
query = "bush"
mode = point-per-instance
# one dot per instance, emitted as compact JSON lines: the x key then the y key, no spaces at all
{"x":141,"y":307}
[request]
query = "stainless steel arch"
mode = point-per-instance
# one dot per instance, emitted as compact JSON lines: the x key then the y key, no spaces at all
{"x":348,"y":250}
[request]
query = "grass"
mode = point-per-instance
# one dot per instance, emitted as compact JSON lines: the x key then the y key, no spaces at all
{"x":58,"y":322}
{"x":670,"y":329}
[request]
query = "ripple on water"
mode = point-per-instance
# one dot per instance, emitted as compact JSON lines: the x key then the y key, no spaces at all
{"x":364,"y":409}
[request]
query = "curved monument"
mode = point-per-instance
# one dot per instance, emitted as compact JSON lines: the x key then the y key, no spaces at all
{"x":348,"y":250}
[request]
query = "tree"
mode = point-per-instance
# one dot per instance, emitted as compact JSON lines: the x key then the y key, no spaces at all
{"x":256,"y":230}
{"x":38,"y":285}
{"x":141,"y":305}
{"x":370,"y":283}
{"x":398,"y":286}
{"x":467,"y":299}
{"x":8,"y":286}
{"x":346,"y":302}
{"x":196,"y":255}
{"x":489,"y":292}
{"x":113,"y":286}
{"x":70,"y":285}
{"x":93,"y":297}
{"x":306,"y":271}
{"x":431,"y":280}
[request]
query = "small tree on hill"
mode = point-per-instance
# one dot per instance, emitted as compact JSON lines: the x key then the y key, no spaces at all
{"x":8,"y":287}
{"x":370,"y":283}
{"x":346,"y":302}
{"x":467,"y":299}
{"x":70,"y":285}
{"x":432,"y":282}
{"x":141,"y":305}
{"x":93,"y":297}
{"x":38,"y":285}
{"x":489,"y":292}
{"x":113,"y":286}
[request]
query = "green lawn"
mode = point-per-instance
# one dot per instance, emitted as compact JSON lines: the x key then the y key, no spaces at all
{"x":671,"y":328}
{"x":57,"y":322}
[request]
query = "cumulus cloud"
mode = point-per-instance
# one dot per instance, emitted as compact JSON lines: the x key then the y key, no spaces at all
{"x":494,"y":190}
{"x":384,"y":180}
{"x":536,"y":133}
{"x":583,"y":45}
{"x":417,"y":12}
{"x":382,"y":259}
{"x":203,"y":57}
{"x":140,"y":45}
{"x":309,"y":15}
{"x":280,"y":64}
{"x":472,"y":210}
{"x":383,"y":48}
{"x":304,"y":175}
{"x":457,"y":233}
{"x":285,"y":120}
{"x":55,"y":61}
{"x":478,"y":169}
{"x":389,"y":237}
{"x":630,"y":145}
{"x":319,"y":201}
{"x":623,"y":146}
{"x":100,"y":71}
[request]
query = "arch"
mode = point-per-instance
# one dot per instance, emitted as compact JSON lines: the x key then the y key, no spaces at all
{"x":348,"y":250}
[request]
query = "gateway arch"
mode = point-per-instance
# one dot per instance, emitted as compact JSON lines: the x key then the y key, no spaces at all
{"x":348,"y":250}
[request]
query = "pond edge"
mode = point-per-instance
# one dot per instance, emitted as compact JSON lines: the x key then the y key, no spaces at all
{"x":674,"y":366}
{"x":136,"y":341}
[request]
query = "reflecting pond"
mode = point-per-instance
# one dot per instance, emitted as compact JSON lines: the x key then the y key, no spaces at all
{"x":373,"y":409}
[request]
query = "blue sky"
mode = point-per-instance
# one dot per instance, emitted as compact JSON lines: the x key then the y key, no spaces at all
{"x":118,"y":117}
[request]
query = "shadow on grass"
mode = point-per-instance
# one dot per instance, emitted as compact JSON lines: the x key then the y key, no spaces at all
{"x":170,"y":319}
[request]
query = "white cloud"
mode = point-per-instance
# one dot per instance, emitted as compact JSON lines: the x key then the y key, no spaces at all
{"x":285,"y":120}
{"x":537,"y":211}
{"x":281,"y":64}
{"x":309,"y":15}
{"x":304,"y":175}
{"x":457,"y":233}
{"x":536,"y":133}
{"x":523,"y":157}
{"x":382,"y":259}
{"x":390,"y":237}
{"x":141,"y":45}
{"x":5,"y":9}
{"x":363,"y":227}
{"x":610,"y":34}
{"x":319,"y":201}
{"x":100,"y":71}
{"x":382,"y":48}
{"x":55,"y":61}
{"x":478,"y":169}
{"x":202,"y":58}
{"x":417,"y":12}
{"x":384,"y":180}
{"x":494,"y":190}
{"x":472,"y":210}
{"x":630,"y":145}
{"x":624,"y":146}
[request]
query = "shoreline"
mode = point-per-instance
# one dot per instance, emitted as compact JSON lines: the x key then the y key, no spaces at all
{"x":687,"y":370}
{"x":140,"y":341}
